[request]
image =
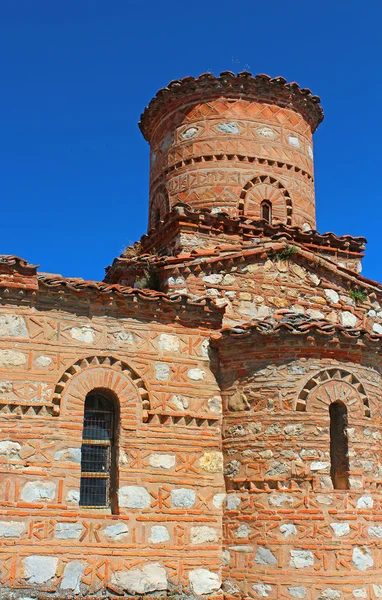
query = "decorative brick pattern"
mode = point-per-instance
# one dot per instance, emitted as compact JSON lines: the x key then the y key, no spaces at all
{"x":227,"y":461}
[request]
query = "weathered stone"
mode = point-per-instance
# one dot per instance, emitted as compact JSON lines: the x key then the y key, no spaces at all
{"x":315,"y":314}
{"x":203,"y":581}
{"x":262,"y":589}
{"x":203,"y":535}
{"x":298,"y":591}
{"x":365,"y":502}
{"x":294,"y":429}
{"x":265,"y":557}
{"x":69,"y":454}
{"x":212,"y":462}
{"x":242,"y":531}
{"x":214,"y":279}
{"x":159,"y":534}
{"x":377,"y":589}
{"x":183,"y":498}
{"x":10,"y":449}
{"x":332,"y":296}
{"x":12,"y":358}
{"x":348,"y":319}
{"x":72,"y":576}
{"x":362,"y":558}
{"x":38,"y":491}
{"x":375,"y":531}
{"x":218,"y":500}
{"x":377,"y":328}
{"x":11,"y":529}
{"x":340,"y":529}
{"x":43,"y":361}
{"x":277,"y":468}
{"x":162,"y":372}
{"x":330,"y":594}
{"x":360,"y":593}
{"x":281,"y":500}
{"x":13,"y":326}
{"x":6,"y":387}
{"x":319,"y":466}
{"x":180,"y":402}
{"x":68,"y":531}
{"x":215,"y":404}
{"x":232,"y":468}
{"x":169,"y":343}
{"x":73,"y":496}
{"x":162,"y":461}
{"x":39,"y":569}
{"x":233,"y":501}
{"x":151,"y":577}
{"x":133,"y":496}
{"x":288,"y":529}
{"x":83,"y":334}
{"x":196,"y":374}
{"x":300,"y":559}
{"x":119,"y":531}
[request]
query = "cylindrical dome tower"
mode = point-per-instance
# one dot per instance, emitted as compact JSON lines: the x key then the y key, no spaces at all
{"x":236,"y":144}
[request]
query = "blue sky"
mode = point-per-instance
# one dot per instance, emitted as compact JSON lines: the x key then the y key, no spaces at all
{"x":76,"y":75}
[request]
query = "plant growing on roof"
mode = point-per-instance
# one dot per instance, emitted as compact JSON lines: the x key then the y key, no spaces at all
{"x":285,"y":254}
{"x":357,"y":295}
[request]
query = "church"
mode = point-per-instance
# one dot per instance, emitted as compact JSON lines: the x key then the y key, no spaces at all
{"x":204,"y":422}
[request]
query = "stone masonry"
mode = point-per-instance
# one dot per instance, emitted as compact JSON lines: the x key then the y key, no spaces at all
{"x":241,"y":352}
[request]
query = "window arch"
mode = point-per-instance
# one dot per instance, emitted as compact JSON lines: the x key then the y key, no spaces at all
{"x":266,"y":211}
{"x":98,"y":488}
{"x":339,"y":448}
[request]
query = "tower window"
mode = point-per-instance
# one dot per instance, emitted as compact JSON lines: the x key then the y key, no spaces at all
{"x":98,"y":453}
{"x":266,"y":211}
{"x":339,"y":450}
{"x":157,"y":216}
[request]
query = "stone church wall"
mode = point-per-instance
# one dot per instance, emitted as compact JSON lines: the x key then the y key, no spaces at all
{"x":171,"y":490}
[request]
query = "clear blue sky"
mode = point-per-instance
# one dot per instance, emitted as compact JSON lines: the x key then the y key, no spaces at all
{"x":76,"y":75}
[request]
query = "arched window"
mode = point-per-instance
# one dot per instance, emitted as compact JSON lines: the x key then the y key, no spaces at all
{"x":98,"y":453}
{"x":157,"y":216}
{"x":339,"y":450}
{"x":266,"y":211}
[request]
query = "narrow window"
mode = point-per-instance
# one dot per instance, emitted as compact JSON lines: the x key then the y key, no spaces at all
{"x":157,"y":216}
{"x":98,"y":453}
{"x":266,"y":211}
{"x":339,"y":450}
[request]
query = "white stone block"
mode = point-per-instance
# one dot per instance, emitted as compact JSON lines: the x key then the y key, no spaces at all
{"x":43,"y":361}
{"x":38,"y":491}
{"x":348,"y":319}
{"x":11,"y":529}
{"x":365,"y":502}
{"x":214,"y":279}
{"x":159,"y":534}
{"x":265,"y":557}
{"x":13,"y":326}
{"x":300,"y":559}
{"x":196,"y":374}
{"x":203,"y":581}
{"x":39,"y":569}
{"x":83,"y":334}
{"x":288,"y":529}
{"x":332,"y":296}
{"x":340,"y":529}
{"x":169,"y":343}
{"x":298,"y":591}
{"x":73,"y":496}
{"x":68,"y":531}
{"x":69,"y":454}
{"x":12,"y":358}
{"x":362,"y":558}
{"x":119,"y":531}
{"x":10,"y":449}
{"x":162,"y":461}
{"x":183,"y":498}
{"x":262,"y":589}
{"x":151,"y":577}
{"x":72,"y":576}
{"x":133,"y":496}
{"x":162,"y":371}
{"x":375,"y":531}
{"x":218,"y":500}
{"x":203,"y":535}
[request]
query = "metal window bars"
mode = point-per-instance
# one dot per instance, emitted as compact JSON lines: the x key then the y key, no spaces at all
{"x":97,"y":440}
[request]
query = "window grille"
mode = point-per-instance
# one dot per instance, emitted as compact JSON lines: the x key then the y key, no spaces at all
{"x":266,"y":211}
{"x":97,"y":452}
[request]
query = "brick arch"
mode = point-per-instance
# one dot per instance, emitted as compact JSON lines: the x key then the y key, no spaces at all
{"x":101,"y":372}
{"x":331,"y":385}
{"x":262,"y":188}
